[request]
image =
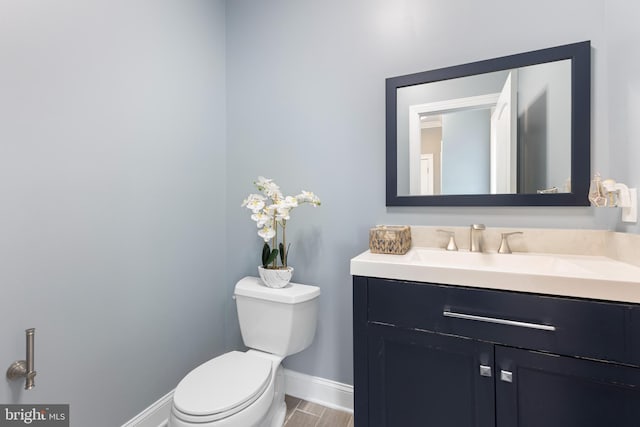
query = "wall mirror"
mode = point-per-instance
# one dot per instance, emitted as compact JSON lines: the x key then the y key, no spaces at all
{"x":509,"y":131}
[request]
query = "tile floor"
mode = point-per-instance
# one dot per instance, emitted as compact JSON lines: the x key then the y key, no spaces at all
{"x":301,"y":413}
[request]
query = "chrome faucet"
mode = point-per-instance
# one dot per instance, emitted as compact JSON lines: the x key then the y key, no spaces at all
{"x":475,"y":237}
{"x":451,"y":246}
{"x":504,"y":242}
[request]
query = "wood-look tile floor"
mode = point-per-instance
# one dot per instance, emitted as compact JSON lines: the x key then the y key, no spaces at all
{"x":301,"y":413}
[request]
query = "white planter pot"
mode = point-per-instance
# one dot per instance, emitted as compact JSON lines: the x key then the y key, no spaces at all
{"x":275,"y":278}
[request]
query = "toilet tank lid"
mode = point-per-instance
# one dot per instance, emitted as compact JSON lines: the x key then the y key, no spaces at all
{"x":293,"y":293}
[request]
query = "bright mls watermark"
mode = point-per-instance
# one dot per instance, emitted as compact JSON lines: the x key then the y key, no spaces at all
{"x":34,"y":415}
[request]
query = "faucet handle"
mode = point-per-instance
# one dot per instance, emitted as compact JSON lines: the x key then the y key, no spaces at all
{"x":451,"y":246}
{"x":504,"y":243}
{"x":478,"y":227}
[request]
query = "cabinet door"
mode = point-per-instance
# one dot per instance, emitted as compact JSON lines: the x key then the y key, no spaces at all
{"x":633,"y":333}
{"x":420,"y":378}
{"x":554,"y":391}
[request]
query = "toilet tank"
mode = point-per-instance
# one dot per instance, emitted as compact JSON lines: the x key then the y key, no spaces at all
{"x":277,"y":321}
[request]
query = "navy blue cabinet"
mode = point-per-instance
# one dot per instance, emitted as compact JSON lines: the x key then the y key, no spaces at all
{"x":551,"y":390}
{"x":420,"y":378}
{"x":437,"y":355}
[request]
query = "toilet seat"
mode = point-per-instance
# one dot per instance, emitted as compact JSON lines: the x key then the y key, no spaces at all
{"x":222,"y":387}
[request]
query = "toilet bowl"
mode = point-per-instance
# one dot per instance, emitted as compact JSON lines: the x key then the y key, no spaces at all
{"x":246,"y":389}
{"x":235,"y":389}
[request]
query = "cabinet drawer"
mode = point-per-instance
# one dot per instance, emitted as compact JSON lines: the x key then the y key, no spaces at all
{"x":563,"y":326}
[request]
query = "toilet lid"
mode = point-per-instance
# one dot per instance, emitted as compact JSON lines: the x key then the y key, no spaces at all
{"x":232,"y":380}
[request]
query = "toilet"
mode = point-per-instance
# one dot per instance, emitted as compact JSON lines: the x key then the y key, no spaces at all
{"x":246,"y":389}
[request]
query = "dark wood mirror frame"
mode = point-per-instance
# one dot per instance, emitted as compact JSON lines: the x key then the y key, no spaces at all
{"x":580,"y":56}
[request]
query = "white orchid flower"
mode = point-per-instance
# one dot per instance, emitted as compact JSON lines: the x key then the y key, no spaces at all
{"x":268,"y":187}
{"x":261,"y":219}
{"x":262,"y":181}
{"x":308,"y":197}
{"x":274,"y":192}
{"x":271,"y":211}
{"x":283,"y":207}
{"x":255,"y":202}
{"x":283,"y":213}
{"x":290,"y":202}
{"x":267,"y":233}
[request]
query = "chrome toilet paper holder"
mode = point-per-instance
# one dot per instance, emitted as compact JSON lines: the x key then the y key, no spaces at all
{"x":25,"y":368}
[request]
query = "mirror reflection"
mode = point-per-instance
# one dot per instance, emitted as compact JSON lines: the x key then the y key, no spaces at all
{"x":504,"y":132}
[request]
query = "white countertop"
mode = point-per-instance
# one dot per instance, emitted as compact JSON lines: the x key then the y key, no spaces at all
{"x":580,"y":276}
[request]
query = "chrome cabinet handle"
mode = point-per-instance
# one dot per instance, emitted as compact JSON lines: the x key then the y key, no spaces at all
{"x":506,"y":376}
{"x":485,"y":371}
{"x":498,"y":321}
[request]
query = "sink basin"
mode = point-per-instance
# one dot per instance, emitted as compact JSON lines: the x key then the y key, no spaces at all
{"x":543,"y":264}
{"x":595,"y":277}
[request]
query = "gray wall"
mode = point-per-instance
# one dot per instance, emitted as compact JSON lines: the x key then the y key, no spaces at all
{"x":306,"y":107}
{"x":117,"y":198}
{"x":621,"y":77}
{"x":112,"y":173}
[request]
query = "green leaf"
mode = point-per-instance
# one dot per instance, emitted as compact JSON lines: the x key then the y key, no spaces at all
{"x":268,"y":255}
{"x":266,"y":251}
{"x":272,"y":256}
{"x":283,"y":255}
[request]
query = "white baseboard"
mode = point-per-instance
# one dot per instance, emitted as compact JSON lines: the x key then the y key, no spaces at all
{"x":318,"y":390}
{"x":156,"y":415}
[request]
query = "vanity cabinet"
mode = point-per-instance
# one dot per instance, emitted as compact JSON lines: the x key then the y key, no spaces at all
{"x":552,"y":390}
{"x":438,"y":355}
{"x":415,"y":379}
